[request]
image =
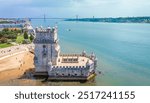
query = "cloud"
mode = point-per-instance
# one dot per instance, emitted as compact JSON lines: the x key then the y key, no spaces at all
{"x":6,"y":3}
{"x":108,"y":8}
{"x":50,"y":3}
{"x":69,"y":8}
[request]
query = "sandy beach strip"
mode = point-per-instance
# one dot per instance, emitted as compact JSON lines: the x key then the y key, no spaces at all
{"x":15,"y":66}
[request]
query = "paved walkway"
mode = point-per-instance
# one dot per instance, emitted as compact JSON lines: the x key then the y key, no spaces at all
{"x":13,"y":54}
{"x":14,"y":50}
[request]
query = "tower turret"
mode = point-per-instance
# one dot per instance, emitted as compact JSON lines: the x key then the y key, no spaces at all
{"x":84,"y":53}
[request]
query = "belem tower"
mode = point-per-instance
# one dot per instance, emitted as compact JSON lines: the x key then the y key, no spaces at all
{"x":50,"y":62}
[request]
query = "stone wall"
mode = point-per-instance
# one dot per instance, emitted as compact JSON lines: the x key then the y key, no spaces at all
{"x":75,"y":71}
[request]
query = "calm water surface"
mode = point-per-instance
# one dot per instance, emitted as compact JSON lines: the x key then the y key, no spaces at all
{"x":123,"y":50}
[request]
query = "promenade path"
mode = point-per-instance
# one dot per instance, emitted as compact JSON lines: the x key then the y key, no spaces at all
{"x":10,"y":51}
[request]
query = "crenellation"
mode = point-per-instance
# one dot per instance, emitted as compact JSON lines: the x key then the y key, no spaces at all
{"x":46,"y":30}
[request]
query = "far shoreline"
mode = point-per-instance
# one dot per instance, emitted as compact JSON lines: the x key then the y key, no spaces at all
{"x":113,"y":20}
{"x":108,"y":22}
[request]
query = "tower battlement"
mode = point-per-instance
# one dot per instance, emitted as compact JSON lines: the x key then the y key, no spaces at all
{"x":46,"y":30}
{"x":46,"y":35}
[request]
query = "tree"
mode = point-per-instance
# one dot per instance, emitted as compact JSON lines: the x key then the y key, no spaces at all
{"x":1,"y":34}
{"x":3,"y":40}
{"x":26,"y":41}
{"x":31,"y":37}
{"x":5,"y":29}
{"x":25,"y":35}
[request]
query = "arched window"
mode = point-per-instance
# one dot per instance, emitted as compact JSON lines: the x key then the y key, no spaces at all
{"x":44,"y":50}
{"x":44,"y":46}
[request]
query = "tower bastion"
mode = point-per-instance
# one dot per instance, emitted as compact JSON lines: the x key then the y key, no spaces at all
{"x":49,"y":62}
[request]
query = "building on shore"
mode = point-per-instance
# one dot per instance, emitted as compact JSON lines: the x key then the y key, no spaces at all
{"x":11,"y":23}
{"x":50,"y":62}
{"x":28,"y":27}
{"x":11,"y":26}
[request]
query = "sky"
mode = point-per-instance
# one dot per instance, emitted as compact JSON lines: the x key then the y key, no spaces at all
{"x":71,"y":8}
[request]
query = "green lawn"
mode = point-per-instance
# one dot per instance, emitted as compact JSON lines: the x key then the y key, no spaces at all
{"x":4,"y":45}
{"x":19,"y":39}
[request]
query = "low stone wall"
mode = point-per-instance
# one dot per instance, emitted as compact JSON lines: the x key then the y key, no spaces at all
{"x":71,"y":70}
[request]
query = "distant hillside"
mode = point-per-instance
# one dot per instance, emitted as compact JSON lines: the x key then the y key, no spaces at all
{"x":115,"y":20}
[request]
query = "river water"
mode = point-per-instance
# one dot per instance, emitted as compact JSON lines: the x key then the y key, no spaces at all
{"x":122,"y":49}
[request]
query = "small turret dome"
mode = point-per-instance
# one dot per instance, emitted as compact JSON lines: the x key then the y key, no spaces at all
{"x":83,"y":52}
{"x":50,"y":63}
{"x":56,"y":26}
{"x":88,"y":63}
{"x":48,"y":27}
{"x":92,"y":54}
{"x":96,"y":58}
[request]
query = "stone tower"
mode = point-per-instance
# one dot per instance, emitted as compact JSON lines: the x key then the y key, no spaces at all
{"x":46,"y":48}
